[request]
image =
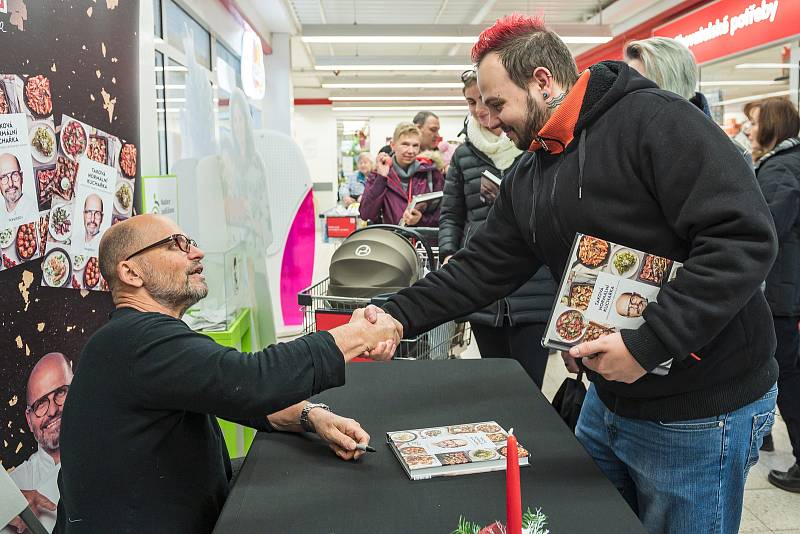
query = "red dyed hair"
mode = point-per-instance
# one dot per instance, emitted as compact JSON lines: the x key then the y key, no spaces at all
{"x":503,"y":31}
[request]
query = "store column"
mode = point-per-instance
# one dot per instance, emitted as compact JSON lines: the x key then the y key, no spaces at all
{"x":794,"y":73}
{"x":277,"y":103}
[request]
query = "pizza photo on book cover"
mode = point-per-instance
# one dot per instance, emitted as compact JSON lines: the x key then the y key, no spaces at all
{"x":605,"y":288}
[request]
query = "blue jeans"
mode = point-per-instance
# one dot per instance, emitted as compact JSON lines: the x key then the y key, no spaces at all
{"x":679,"y":477}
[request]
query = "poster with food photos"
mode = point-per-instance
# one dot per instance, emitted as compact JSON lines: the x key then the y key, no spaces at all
{"x":27,"y":163}
{"x":93,"y":189}
{"x":606,"y":287}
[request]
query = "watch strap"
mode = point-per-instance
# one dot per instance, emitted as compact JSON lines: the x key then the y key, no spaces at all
{"x":304,"y":422}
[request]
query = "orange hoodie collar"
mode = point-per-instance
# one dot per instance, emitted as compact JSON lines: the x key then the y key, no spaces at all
{"x":557,"y":132}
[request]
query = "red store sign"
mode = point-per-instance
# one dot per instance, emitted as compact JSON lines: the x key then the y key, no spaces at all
{"x":730,"y":26}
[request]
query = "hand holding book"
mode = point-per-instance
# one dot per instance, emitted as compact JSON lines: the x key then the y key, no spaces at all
{"x":609,"y":357}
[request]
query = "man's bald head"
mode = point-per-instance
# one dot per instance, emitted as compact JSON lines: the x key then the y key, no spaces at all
{"x":125,"y":238}
{"x":52,"y":369}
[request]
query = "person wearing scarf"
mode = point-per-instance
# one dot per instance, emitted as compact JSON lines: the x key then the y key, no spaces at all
{"x":513,"y":326}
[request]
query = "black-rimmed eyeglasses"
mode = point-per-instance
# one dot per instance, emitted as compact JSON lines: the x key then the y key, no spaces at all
{"x":42,"y":405}
{"x":183,"y":242}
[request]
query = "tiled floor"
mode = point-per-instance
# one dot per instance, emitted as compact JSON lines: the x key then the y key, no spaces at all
{"x":767,"y":509}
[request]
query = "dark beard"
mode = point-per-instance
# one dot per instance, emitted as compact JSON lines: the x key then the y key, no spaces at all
{"x":535,"y":119}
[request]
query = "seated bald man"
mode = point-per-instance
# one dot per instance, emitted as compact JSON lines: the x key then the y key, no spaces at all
{"x":141,"y":450}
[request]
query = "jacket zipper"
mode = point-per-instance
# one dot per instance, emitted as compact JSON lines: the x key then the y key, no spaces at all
{"x":553,"y":206}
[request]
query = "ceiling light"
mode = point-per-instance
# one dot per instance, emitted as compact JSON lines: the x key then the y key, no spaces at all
{"x":749,"y":98}
{"x":392,"y":85}
{"x":437,"y":33}
{"x":766,"y":66}
{"x":721,"y":83}
{"x":392,"y":67}
{"x":398,"y":108}
{"x":429,"y":39}
{"x":434,"y":98}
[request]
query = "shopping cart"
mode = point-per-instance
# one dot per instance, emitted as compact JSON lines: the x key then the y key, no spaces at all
{"x":323,"y":311}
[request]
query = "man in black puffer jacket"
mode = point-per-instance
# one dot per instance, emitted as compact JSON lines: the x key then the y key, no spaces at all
{"x":618,"y":158}
{"x":513,"y":326}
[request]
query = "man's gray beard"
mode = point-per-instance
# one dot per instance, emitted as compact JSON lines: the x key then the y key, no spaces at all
{"x":535,"y":120}
{"x":180,"y":299}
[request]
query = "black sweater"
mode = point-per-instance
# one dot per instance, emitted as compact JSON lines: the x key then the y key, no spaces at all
{"x":141,"y":450}
{"x":648,"y":170}
{"x":463,"y":211}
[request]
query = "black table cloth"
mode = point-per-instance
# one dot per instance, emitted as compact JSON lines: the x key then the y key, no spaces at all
{"x":294,"y":483}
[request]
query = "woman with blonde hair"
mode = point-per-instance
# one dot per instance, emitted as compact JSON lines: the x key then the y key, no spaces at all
{"x":774,"y":129}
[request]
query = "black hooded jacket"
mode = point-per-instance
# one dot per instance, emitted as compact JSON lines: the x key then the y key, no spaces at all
{"x":648,"y":170}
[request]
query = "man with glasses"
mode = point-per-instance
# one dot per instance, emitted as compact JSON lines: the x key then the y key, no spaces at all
{"x":92,"y":218}
{"x":141,"y":447}
{"x":11,"y":179}
{"x":48,"y":385}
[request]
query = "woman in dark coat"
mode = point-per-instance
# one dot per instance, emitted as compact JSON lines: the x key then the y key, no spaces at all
{"x":512,"y":327}
{"x":776,"y":153}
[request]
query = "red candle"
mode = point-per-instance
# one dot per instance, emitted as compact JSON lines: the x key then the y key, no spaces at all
{"x":513,"y":496}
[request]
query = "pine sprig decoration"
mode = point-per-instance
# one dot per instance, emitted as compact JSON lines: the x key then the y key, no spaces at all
{"x":466,"y":527}
{"x":534,"y":522}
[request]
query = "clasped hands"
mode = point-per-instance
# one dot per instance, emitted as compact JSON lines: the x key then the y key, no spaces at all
{"x":381,"y":332}
{"x":607,"y":356}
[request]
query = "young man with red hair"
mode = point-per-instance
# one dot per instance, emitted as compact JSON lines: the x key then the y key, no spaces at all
{"x":611,"y":155}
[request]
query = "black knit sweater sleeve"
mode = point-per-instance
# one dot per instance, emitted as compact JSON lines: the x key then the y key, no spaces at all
{"x":489,"y":268}
{"x":713,"y":202}
{"x":454,"y":210}
{"x":179,"y":369}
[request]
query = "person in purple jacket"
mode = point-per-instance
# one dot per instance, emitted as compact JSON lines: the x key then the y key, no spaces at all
{"x":396,"y":180}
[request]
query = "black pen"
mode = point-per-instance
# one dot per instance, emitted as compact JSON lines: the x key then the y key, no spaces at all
{"x":364,"y":448}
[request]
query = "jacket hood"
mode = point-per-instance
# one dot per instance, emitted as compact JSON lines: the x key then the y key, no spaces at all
{"x":609,"y":82}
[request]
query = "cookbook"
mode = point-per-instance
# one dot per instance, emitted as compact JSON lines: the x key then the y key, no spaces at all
{"x":452,"y":450}
{"x":605,"y":288}
{"x":431,"y":200}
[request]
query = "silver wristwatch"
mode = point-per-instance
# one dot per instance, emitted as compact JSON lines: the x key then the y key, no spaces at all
{"x":304,"y":422}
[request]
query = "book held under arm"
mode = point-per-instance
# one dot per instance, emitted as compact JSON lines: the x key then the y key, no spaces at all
{"x":605,"y":288}
{"x":452,"y":450}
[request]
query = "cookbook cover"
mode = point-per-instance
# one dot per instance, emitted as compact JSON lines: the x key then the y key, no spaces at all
{"x":605,"y":288}
{"x":92,"y":189}
{"x":27,"y":164}
{"x":452,"y":450}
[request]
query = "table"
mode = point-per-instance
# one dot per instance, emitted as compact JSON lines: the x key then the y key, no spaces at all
{"x":293,"y":483}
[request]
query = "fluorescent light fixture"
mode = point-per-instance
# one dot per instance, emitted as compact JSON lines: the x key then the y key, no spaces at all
{"x":401,"y":98}
{"x":398,"y":108}
{"x":750,"y":98}
{"x":766,"y":66}
{"x":394,"y":85}
{"x":163,"y":100}
{"x":389,"y":67}
{"x":389,"y":39}
{"x":721,"y":83}
{"x":429,"y":39}
{"x":436,"y":33}
{"x":170,"y":86}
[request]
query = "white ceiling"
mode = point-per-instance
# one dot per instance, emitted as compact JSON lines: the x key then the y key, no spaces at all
{"x":619,"y":15}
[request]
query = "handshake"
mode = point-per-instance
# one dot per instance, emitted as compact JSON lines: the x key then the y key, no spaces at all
{"x":371,"y":333}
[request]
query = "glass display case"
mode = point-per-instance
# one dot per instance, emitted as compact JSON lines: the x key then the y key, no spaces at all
{"x":226,"y":276}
